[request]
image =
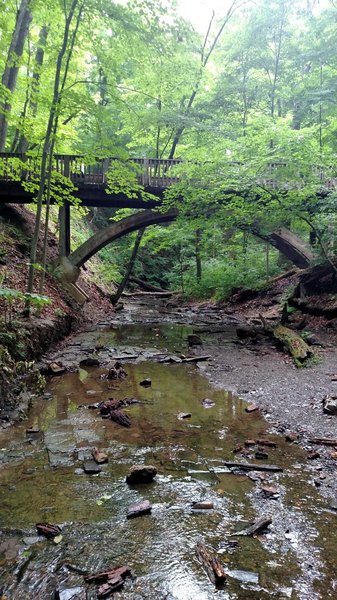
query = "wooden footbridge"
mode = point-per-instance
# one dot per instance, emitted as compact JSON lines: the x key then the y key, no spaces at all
{"x":91,"y":183}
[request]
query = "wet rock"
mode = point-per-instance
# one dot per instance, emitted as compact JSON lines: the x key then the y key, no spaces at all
{"x":91,"y":467}
{"x":30,"y":540}
{"x":330,"y":405}
{"x":270,"y":491}
{"x":99,"y":457}
{"x":56,"y":368}
{"x":75,"y":593}
{"x":292,"y":437}
{"x":251,"y":408}
{"x":333,"y":504}
{"x":207,"y":403}
{"x":313,"y":340}
{"x":116,"y":371}
{"x":141,"y":474}
{"x":237,"y":448}
{"x":48,"y":530}
{"x":90,"y":361}
{"x":146,"y":382}
{"x":194,"y":340}
{"x":204,"y":505}
{"x":312,"y":455}
{"x":245,"y":332}
{"x":261,"y":454}
{"x":139,"y":509}
{"x":183,"y":415}
{"x":268,"y":443}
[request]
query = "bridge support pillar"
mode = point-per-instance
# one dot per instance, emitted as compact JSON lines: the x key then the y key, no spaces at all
{"x":64,"y":230}
{"x":68,"y":274}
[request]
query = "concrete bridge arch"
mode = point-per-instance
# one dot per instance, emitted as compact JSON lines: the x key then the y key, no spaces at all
{"x":69,"y":266}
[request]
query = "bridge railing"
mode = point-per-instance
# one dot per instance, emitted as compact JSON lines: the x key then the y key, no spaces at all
{"x":156,"y":173}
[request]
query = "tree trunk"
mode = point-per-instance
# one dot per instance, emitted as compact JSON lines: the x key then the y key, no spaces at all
{"x":48,"y":143}
{"x":114,"y":299}
{"x":197,"y":254}
{"x":11,"y":70}
{"x":22,"y":143}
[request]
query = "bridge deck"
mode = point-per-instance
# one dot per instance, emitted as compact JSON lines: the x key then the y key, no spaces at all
{"x":90,"y":178}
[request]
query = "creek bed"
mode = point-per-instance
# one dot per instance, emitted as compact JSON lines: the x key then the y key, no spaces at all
{"x":42,"y":479}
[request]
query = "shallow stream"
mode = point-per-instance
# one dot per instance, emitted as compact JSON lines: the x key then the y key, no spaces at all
{"x":42,"y":479}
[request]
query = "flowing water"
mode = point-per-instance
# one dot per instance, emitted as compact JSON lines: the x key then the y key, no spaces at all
{"x":42,"y":479}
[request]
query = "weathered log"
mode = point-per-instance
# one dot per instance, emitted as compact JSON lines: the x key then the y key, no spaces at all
{"x":119,"y":571}
{"x":214,"y":568}
{"x":323,"y":441}
{"x":257,"y":527}
{"x":121,"y":418}
{"x":145,"y":285}
{"x":192,"y":359}
{"x":253,"y":467}
{"x":293,"y":343}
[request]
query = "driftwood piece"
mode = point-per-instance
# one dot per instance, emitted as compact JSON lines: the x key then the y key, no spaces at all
{"x":253,"y":467}
{"x":119,"y":571}
{"x":323,"y":441}
{"x":121,"y":418}
{"x":192,"y":359}
{"x":214,"y":568}
{"x":257,"y":527}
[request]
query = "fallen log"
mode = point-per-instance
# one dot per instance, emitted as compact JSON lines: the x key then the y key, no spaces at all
{"x":293,"y":343}
{"x":120,"y":571}
{"x":150,"y":294}
{"x":121,"y":418}
{"x":192,"y":359}
{"x":145,"y":285}
{"x":257,"y":527}
{"x":323,"y":441}
{"x":214,"y":568}
{"x":253,"y":467}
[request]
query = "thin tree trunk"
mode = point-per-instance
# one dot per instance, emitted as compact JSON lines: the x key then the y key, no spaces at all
{"x":47,"y":143}
{"x":22,"y":143}
{"x":51,"y":154}
{"x":114,"y":299}
{"x":11,"y":70}
{"x":197,"y":254}
{"x":205,"y":56}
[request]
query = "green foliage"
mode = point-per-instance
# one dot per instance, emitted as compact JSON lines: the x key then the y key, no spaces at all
{"x":11,"y":297}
